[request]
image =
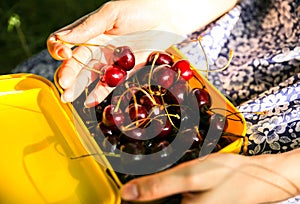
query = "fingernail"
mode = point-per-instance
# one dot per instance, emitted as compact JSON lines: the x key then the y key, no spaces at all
{"x":62,"y":53}
{"x":90,"y":104}
{"x":130,"y":192}
{"x":62,"y":32}
{"x":63,"y":99}
{"x":91,"y":101}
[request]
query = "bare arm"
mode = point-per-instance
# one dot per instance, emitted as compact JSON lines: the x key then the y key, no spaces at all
{"x":224,"y":178}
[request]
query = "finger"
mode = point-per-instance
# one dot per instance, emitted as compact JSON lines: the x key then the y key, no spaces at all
{"x":100,"y":92}
{"x":177,"y":180}
{"x":91,"y":25}
{"x":70,"y":68}
{"x":83,"y":80}
{"x":193,"y":176}
{"x":58,"y":50}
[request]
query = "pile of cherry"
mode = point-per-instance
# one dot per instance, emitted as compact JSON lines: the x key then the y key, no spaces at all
{"x":155,"y":114}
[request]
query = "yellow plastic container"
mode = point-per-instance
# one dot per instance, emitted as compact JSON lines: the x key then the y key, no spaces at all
{"x":41,"y":136}
{"x":38,"y":142}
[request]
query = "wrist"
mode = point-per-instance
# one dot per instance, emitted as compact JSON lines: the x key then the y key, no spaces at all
{"x":190,"y":15}
{"x":281,"y":171}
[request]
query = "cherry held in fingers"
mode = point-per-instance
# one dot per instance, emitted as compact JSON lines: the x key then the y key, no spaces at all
{"x":124,"y":57}
{"x":114,"y":75}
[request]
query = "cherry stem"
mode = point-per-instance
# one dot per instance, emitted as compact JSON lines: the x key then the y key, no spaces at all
{"x":205,"y":56}
{"x":167,"y":113}
{"x":96,"y":154}
{"x":133,"y":95}
{"x":87,"y":67}
{"x":231,"y":113}
{"x":245,"y":140}
{"x":199,"y":39}
{"x":150,"y":73}
{"x":81,"y":44}
{"x":134,"y":125}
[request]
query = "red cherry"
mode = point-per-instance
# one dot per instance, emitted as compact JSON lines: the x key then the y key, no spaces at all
{"x":163,"y":58}
{"x":112,"y":118}
{"x":137,"y":112}
{"x":203,"y":98}
{"x":114,"y":75}
{"x":164,"y":76}
{"x":148,"y":103}
{"x":124,"y":57}
{"x":183,"y":67}
{"x":177,"y":93}
{"x":134,"y":134}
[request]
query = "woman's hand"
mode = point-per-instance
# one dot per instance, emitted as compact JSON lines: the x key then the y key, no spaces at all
{"x":222,"y":178}
{"x":169,"y":19}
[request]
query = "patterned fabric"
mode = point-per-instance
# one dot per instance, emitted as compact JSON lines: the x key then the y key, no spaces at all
{"x":264,"y":74}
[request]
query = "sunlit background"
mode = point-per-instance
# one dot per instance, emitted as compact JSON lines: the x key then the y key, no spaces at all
{"x":25,"y":25}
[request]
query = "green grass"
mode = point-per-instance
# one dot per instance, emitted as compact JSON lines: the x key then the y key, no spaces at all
{"x":37,"y":20}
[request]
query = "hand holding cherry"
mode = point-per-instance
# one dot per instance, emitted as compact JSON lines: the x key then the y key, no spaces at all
{"x":118,"y":18}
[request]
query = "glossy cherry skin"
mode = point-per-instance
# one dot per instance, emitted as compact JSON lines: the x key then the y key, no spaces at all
{"x":162,"y":58}
{"x":148,"y":103}
{"x":163,"y":149}
{"x":177,"y":93}
{"x":183,"y":67}
{"x":135,"y":152}
{"x":124,"y":57}
{"x":110,"y":144}
{"x":137,"y":112}
{"x":163,"y":130}
{"x":203,"y":98}
{"x":114,"y":75}
{"x":164,"y":76}
{"x":112,"y":117}
{"x":134,"y":135}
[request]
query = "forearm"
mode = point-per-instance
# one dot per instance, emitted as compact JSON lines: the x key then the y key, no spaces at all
{"x":190,"y":15}
{"x":281,"y":171}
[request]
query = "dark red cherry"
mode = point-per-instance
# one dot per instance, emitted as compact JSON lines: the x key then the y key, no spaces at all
{"x":162,"y":58}
{"x":183,"y":67}
{"x":164,"y":76}
{"x":203,"y":98}
{"x":110,"y":144}
{"x":114,"y":75}
{"x":177,"y":93}
{"x":105,"y":130}
{"x":135,"y":152}
{"x":124,"y":57}
{"x":137,"y":112}
{"x":164,"y":129}
{"x":148,"y":103}
{"x":162,"y":150}
{"x":134,"y":134}
{"x":190,"y":136}
{"x":112,"y":116}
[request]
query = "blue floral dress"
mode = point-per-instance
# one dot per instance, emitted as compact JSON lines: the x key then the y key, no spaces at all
{"x":264,"y":74}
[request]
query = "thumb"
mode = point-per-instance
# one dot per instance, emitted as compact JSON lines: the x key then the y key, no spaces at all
{"x":91,"y":25}
{"x":160,"y":185}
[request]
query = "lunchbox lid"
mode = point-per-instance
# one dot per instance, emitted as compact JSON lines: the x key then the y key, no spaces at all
{"x":40,"y":148}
